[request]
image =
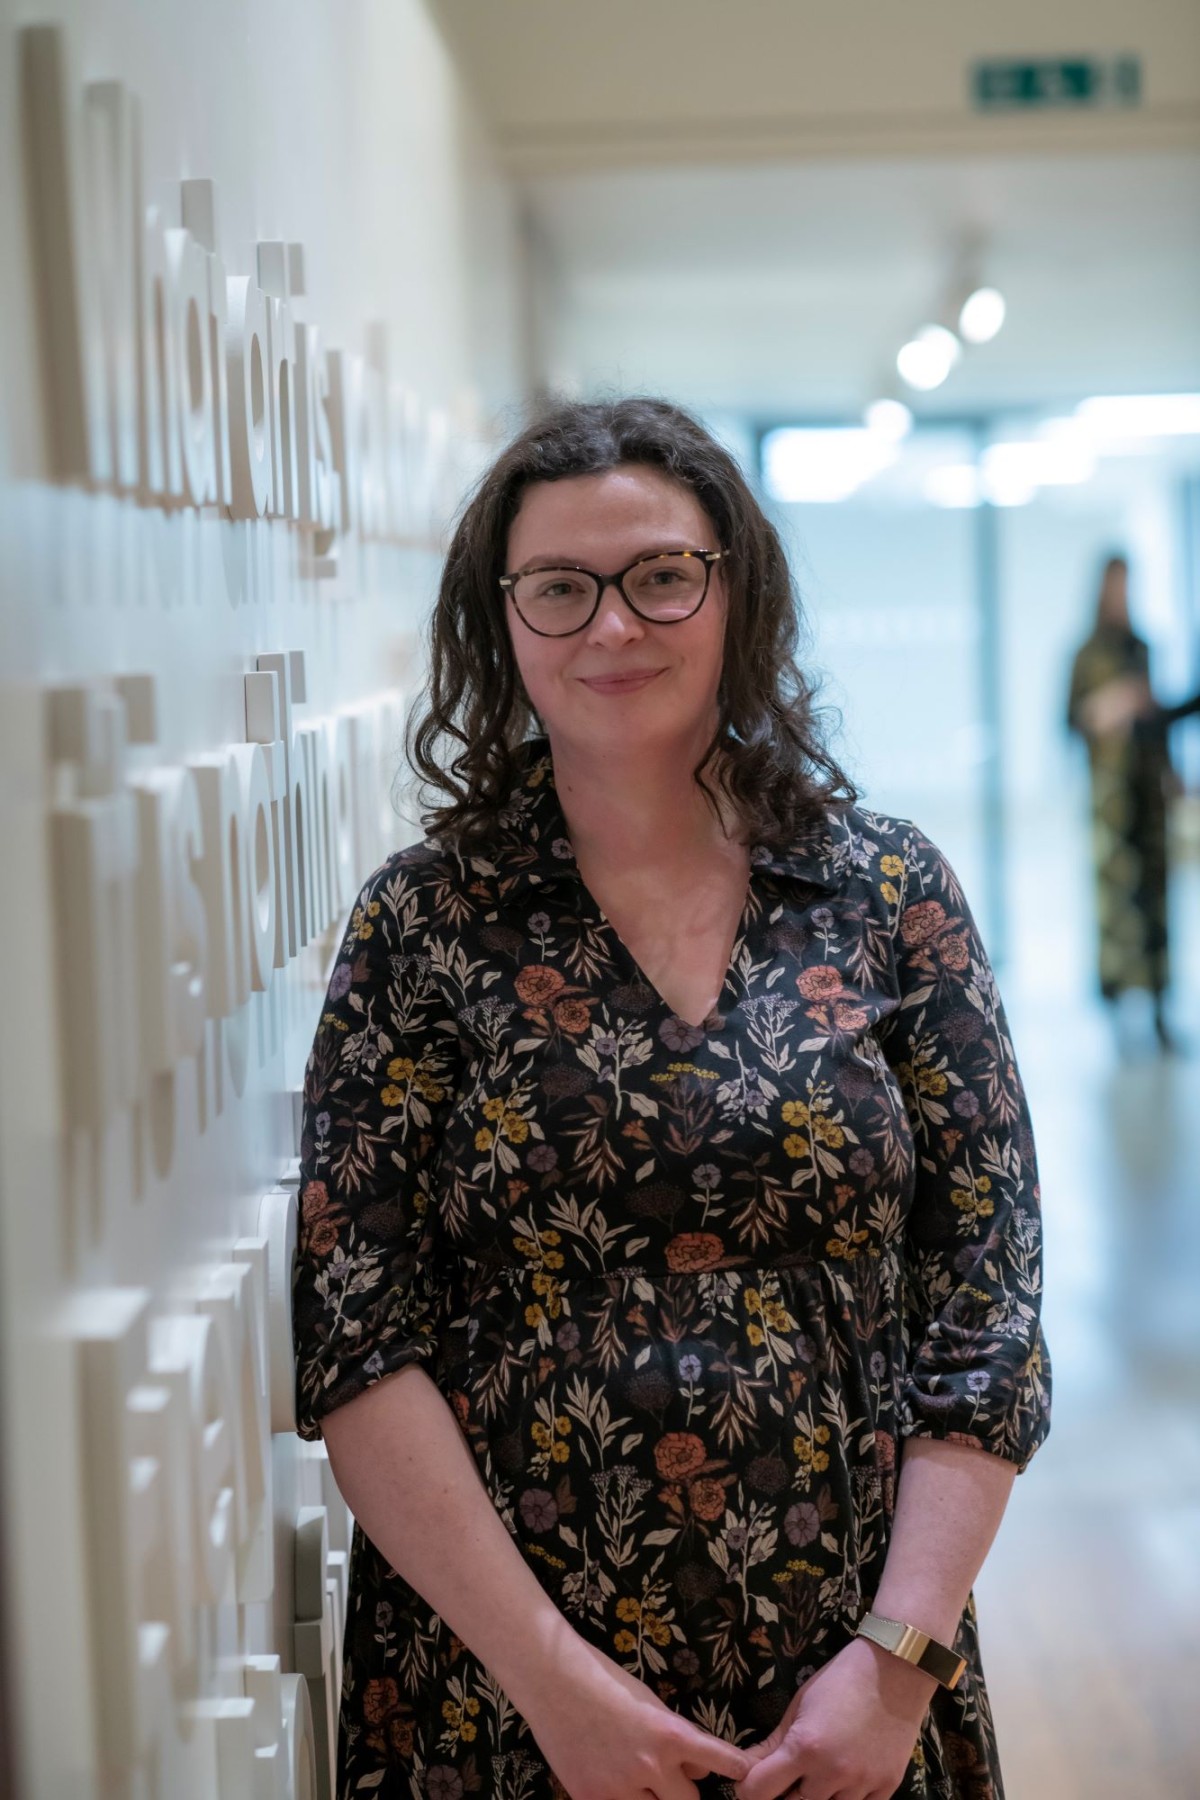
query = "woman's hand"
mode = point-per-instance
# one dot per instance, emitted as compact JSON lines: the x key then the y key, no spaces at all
{"x":607,"y":1736}
{"x":1112,"y":709}
{"x":849,"y":1732}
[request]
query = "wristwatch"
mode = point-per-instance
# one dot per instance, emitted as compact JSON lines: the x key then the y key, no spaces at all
{"x":915,"y":1647}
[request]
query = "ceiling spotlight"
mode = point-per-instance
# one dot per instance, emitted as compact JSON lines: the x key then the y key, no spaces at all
{"x":928,"y":357}
{"x":888,"y":419}
{"x":982,"y":315}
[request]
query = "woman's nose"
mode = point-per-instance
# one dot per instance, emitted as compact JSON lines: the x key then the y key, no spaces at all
{"x":614,"y":621}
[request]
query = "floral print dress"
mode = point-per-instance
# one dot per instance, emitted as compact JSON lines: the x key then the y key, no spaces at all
{"x":687,"y":1288}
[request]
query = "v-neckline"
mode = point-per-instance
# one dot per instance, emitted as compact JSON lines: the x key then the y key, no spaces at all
{"x":631,"y":959}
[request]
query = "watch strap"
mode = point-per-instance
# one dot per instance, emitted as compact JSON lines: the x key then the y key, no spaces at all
{"x":913,"y":1646}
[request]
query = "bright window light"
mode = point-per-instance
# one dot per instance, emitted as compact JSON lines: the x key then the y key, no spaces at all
{"x":1116,"y":418}
{"x":1060,"y":460}
{"x":954,"y":484}
{"x":815,"y":466}
{"x":926,"y":360}
{"x":982,"y":315}
{"x":889,"y":419}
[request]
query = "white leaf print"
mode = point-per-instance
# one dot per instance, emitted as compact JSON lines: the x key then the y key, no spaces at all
{"x":767,"y":1676}
{"x":766,"y":1608}
{"x":660,"y":1537}
{"x":630,"y":1442}
{"x":643,"y":1170}
{"x":643,"y":1357}
{"x":643,"y":1104}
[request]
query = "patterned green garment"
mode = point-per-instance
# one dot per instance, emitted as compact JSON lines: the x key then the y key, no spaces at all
{"x":1129,"y":823}
{"x":687,"y":1288}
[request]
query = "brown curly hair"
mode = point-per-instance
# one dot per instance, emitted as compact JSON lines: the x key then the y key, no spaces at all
{"x":774,"y":766}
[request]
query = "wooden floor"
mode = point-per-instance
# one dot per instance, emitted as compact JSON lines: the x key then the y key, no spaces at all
{"x":1090,"y":1602}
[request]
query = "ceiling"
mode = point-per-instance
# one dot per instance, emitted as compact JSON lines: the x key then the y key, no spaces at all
{"x":750,"y":206}
{"x":783,"y":289}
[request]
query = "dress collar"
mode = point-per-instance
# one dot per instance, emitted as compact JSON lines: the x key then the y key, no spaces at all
{"x":534,"y":847}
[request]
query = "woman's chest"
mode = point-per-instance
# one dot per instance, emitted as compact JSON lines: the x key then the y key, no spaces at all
{"x":589,"y":1103}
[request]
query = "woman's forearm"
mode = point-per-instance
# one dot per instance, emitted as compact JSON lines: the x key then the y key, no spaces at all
{"x":949,"y":1503}
{"x":409,"y":1478}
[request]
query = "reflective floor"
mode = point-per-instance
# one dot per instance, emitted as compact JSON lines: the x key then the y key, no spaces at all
{"x":1090,"y":1601}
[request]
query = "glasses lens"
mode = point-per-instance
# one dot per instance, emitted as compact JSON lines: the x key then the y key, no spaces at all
{"x":667,"y":587}
{"x":554,"y":600}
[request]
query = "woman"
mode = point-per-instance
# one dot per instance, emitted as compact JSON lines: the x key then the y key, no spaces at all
{"x":663,"y":1129}
{"x":1129,"y":767}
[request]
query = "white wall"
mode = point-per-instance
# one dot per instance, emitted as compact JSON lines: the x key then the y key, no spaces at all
{"x":134,"y":1205}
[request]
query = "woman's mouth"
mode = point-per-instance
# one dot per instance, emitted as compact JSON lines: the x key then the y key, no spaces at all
{"x":620,"y":684}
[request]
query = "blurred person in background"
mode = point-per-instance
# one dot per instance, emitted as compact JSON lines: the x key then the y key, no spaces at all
{"x":1112,"y":707}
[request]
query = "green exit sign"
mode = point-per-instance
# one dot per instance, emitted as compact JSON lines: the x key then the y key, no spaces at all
{"x":1068,"y":81}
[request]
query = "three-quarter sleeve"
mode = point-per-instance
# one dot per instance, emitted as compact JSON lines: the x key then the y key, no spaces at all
{"x":977,"y":1366}
{"x":379,"y":1082}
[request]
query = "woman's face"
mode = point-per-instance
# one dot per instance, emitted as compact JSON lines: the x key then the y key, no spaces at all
{"x":604,"y":522}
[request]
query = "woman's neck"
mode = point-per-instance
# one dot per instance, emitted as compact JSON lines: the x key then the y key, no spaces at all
{"x":626,"y":811}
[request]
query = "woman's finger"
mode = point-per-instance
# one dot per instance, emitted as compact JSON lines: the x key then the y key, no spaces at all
{"x":780,"y":1774}
{"x":678,"y":1789}
{"x":713,"y":1755}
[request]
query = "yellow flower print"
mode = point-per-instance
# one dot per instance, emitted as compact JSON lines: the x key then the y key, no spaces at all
{"x":560,"y":1451}
{"x":552,"y":1237}
{"x":534,"y":1315}
{"x":932,"y":1081}
{"x":562,"y":1423}
{"x":828,"y":1133}
{"x":540,"y":1434}
{"x":401,"y":1068}
{"x":806,"y":1453}
{"x":515,"y":1128}
{"x":795,"y":1112}
{"x":657,"y":1630}
{"x":889,"y":893}
{"x":624,"y":1641}
{"x":472,"y":1707}
{"x":483,"y":1139}
{"x":628,"y":1609}
{"x":847,"y":1247}
{"x":392,"y":1096}
{"x":752,"y":1300}
{"x":553,"y":1259}
{"x":493,"y":1109}
{"x":556,"y":1562}
{"x":332,"y":1019}
{"x":794,"y":1145}
{"x":754,"y":1335}
{"x":360,"y":922}
{"x":428,"y":1088}
{"x":797,"y":1566}
{"x":891,"y":865}
{"x":467,"y":1731}
{"x":525,"y":1245}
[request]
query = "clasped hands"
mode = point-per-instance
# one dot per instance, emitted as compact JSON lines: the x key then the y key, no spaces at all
{"x":848,"y":1734}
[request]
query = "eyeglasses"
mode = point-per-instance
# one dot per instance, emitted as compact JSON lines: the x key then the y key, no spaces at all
{"x":662,"y":589}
